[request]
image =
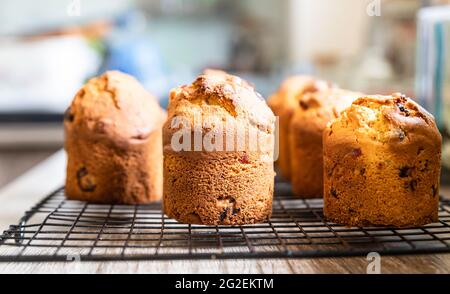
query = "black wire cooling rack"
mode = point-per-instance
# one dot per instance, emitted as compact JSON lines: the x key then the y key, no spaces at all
{"x":57,"y":229}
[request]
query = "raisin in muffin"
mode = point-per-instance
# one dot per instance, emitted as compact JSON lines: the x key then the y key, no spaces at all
{"x":283,"y":104}
{"x":113,"y":139}
{"x":382,"y":164}
{"x":314,"y":111}
{"x":213,"y":172}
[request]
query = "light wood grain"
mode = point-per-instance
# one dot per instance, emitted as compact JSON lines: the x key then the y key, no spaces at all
{"x":431,"y":264}
{"x":31,"y":187}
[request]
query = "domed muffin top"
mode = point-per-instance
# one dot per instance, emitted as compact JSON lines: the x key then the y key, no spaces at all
{"x":333,"y":101}
{"x":387,"y":119}
{"x":114,"y":104}
{"x":294,"y":87}
{"x":216,"y":93}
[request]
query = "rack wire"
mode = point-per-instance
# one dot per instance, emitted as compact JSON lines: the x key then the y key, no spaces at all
{"x":57,"y":229}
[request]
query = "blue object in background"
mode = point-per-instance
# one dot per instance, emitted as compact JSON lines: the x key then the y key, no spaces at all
{"x":133,"y":52}
{"x":432,"y":63}
{"x":439,"y":73}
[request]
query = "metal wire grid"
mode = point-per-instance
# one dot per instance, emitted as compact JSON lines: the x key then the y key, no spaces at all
{"x":58,"y":230}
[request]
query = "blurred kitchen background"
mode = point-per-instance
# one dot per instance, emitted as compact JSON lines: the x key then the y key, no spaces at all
{"x":49,"y":48}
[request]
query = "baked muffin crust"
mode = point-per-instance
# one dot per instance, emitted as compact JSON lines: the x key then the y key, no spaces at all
{"x":284,"y":103}
{"x":230,"y":186}
{"x":113,"y":138}
{"x":382,"y":164}
{"x":313,"y":112}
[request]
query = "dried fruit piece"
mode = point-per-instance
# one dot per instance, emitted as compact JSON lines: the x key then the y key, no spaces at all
{"x":356,"y":152}
{"x":85,"y":181}
{"x":223,"y":215}
{"x":404,"y":172}
{"x":333,"y":192}
{"x":244,"y":159}
{"x":236,"y":210}
{"x":303,"y":105}
{"x":402,"y":107}
{"x":68,"y":115}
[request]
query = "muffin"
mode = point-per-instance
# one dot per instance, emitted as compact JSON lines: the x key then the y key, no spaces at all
{"x":218,"y":153}
{"x":313,"y":112}
{"x":382,"y":164}
{"x":113,"y":140}
{"x":283,"y":104}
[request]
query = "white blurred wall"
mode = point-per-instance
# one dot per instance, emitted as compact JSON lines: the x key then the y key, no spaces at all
{"x":326,"y":27}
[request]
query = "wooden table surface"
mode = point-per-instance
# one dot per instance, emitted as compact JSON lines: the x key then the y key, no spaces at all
{"x":29,"y":188}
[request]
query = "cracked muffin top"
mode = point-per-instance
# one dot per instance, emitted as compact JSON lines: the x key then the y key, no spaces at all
{"x":324,"y":105}
{"x":294,"y":88}
{"x":221,"y":95}
{"x":334,"y":99}
{"x":114,"y":105}
{"x":387,"y":119}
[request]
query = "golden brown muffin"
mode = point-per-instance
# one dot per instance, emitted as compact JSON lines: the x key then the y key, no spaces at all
{"x":314,"y":111}
{"x":113,"y":139}
{"x":283,"y":104}
{"x":226,"y":180}
{"x":382,"y":164}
